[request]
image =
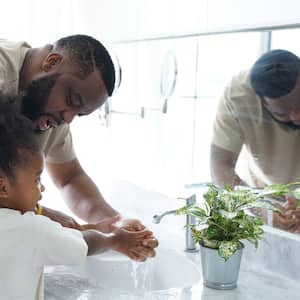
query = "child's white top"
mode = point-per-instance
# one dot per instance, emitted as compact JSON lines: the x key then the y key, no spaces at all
{"x":28,"y":242}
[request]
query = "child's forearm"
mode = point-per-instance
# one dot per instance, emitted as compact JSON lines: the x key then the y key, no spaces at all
{"x":58,"y":216}
{"x":88,"y":227}
{"x":97,"y":242}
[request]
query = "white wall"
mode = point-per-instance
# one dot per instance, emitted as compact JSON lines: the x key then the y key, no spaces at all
{"x":37,"y":22}
{"x":245,"y":14}
{"x":123,"y":20}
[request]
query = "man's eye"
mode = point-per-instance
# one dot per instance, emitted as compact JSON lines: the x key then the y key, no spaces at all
{"x":281,"y":116}
{"x":74,"y":100}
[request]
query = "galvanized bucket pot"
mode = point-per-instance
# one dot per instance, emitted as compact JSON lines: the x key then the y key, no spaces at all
{"x":218,"y":273}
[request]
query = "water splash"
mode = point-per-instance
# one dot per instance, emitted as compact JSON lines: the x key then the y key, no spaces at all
{"x":134,"y":274}
{"x":141,"y":274}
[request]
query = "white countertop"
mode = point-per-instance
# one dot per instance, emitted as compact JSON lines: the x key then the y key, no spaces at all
{"x":252,"y":285}
{"x":270,"y":273}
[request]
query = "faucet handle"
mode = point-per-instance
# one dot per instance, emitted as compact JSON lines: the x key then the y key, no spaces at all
{"x":196,"y":185}
{"x":189,"y":200}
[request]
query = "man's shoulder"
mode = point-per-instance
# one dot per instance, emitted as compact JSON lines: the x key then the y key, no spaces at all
{"x":240,"y":91}
{"x":241,"y":80}
{"x":13,"y":50}
{"x":12,"y":56}
{"x":13,"y":44}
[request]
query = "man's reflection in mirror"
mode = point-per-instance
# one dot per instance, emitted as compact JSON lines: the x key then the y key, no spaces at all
{"x":259,"y":112}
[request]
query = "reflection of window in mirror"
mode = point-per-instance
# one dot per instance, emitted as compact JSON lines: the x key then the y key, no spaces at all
{"x":219,"y":58}
{"x":287,"y":39}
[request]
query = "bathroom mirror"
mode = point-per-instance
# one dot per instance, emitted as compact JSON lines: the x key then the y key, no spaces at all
{"x":215,"y":70}
{"x":175,"y":148}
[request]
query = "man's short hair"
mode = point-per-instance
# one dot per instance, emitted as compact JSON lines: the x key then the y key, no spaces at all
{"x":88,"y":54}
{"x":17,"y":136}
{"x":275,"y":73}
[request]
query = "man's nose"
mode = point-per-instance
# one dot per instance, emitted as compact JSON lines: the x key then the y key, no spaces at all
{"x":69,"y":116}
{"x":295,"y":115}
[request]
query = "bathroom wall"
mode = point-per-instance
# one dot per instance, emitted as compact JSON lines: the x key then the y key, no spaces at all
{"x":128,"y":20}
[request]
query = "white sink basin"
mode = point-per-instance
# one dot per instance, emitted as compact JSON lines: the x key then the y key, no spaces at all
{"x":112,"y":271}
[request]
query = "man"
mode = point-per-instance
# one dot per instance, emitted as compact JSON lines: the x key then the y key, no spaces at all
{"x":73,"y":77}
{"x":260,"y":112}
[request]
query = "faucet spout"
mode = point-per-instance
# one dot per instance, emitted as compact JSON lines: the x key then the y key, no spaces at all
{"x":190,"y":221}
{"x":158,"y":218}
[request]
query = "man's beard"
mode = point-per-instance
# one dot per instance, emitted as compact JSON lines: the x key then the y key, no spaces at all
{"x":290,"y":125}
{"x":35,"y":97}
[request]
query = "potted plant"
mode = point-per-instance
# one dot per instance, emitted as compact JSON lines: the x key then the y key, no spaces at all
{"x":223,"y":223}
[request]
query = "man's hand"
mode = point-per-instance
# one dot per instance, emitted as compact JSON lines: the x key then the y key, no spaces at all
{"x":289,"y":216}
{"x":107,"y":225}
{"x":131,"y":224}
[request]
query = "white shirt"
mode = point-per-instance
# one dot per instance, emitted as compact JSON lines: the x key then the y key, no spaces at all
{"x":28,"y":242}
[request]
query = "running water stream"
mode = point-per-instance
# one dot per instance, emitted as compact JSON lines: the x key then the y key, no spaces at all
{"x":141,"y":274}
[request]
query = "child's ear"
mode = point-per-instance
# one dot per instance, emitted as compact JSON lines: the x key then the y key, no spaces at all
{"x":4,"y":187}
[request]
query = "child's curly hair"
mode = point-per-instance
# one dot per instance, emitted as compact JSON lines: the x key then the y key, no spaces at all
{"x":17,"y":136}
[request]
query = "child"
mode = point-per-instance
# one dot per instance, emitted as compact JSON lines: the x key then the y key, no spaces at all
{"x":30,"y":241}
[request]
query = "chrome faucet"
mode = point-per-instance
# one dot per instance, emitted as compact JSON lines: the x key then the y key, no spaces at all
{"x":157,"y":218}
{"x":190,"y":245}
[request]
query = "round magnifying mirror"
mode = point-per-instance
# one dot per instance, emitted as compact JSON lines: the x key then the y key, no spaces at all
{"x":168,"y":77}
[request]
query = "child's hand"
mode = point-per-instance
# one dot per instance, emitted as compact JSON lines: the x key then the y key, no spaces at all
{"x":131,"y":243}
{"x":147,"y":248}
{"x":130,"y":237}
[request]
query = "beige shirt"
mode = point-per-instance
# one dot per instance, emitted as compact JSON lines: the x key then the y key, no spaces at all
{"x":272,"y":150}
{"x":57,"y":142}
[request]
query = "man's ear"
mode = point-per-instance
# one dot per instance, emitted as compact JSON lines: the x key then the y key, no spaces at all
{"x":53,"y":59}
{"x":4,"y":187}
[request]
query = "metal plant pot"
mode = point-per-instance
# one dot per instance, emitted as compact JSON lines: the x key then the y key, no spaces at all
{"x":218,"y":273}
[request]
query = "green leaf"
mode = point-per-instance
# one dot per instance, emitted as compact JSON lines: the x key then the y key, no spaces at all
{"x":263,"y":204}
{"x":221,"y":219}
{"x":296,"y":193}
{"x":282,"y":189}
{"x":227,"y":249}
{"x":278,"y":189}
{"x":193,"y":210}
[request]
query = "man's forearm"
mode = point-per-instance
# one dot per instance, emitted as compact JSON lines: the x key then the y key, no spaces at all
{"x":85,"y":200}
{"x":222,"y":167}
{"x":223,"y":175}
{"x":97,"y":242}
